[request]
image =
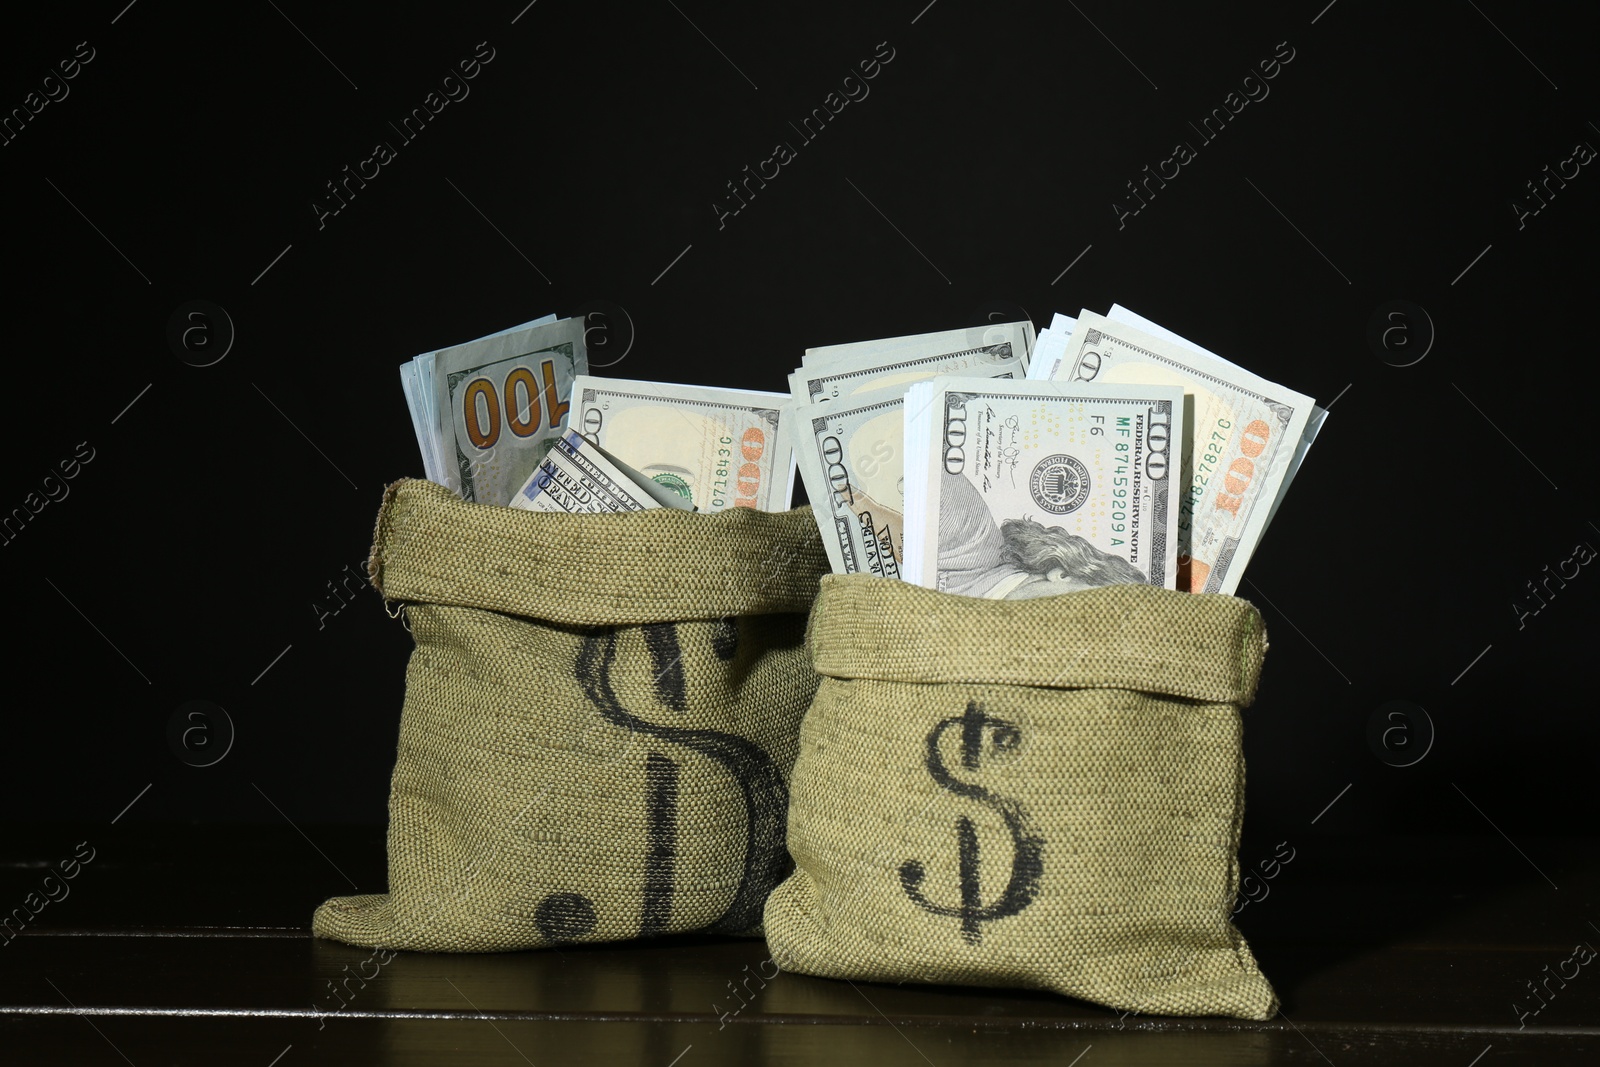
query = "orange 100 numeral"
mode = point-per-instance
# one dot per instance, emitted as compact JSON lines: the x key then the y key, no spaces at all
{"x":1241,"y":470}
{"x":751,"y":446}
{"x":520,"y":394}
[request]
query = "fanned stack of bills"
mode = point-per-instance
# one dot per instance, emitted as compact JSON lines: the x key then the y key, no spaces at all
{"x":1128,"y":454}
{"x":514,"y":419}
{"x":486,"y":412}
{"x":849,"y":429}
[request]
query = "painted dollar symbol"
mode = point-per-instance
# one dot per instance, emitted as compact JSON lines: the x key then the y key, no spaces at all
{"x":765,"y":795}
{"x":1027,"y":858}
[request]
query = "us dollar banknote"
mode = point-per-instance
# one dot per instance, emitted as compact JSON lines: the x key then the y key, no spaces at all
{"x":576,"y":477}
{"x":1242,"y":439}
{"x":851,"y":458}
{"x":837,"y":371}
{"x":416,"y":379}
{"x":717,"y":448}
{"x":1308,"y":435}
{"x":499,"y":403}
{"x":1032,"y":488}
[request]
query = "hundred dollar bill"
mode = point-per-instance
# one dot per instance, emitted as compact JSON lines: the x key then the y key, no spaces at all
{"x":1319,"y":414}
{"x":1036,"y":488}
{"x":718,"y":448}
{"x":578,"y":478}
{"x":1243,"y":432}
{"x":416,"y":379}
{"x":500,"y":401}
{"x":851,"y":457}
{"x":834,"y":378}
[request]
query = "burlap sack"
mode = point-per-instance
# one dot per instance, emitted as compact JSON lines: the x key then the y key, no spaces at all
{"x":1043,"y":793}
{"x":600,"y":718}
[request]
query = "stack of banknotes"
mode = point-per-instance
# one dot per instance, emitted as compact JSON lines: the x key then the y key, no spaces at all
{"x":989,"y":462}
{"x":514,"y":419}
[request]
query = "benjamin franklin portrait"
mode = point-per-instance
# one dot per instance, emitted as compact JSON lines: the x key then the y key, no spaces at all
{"x":1018,"y":559}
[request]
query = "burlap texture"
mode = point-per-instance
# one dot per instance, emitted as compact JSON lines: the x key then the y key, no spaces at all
{"x":600,"y":718}
{"x":1042,"y":793}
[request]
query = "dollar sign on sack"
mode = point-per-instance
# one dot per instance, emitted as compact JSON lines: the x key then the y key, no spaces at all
{"x":1027,"y":850}
{"x":765,"y":795}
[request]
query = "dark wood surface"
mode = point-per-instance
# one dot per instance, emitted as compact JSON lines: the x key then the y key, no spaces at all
{"x":183,"y":945}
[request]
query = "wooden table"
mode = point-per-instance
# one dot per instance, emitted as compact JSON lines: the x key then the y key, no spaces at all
{"x":190,"y":945}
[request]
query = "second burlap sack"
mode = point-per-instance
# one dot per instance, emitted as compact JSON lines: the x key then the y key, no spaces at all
{"x":1042,"y":793}
{"x":600,"y":718}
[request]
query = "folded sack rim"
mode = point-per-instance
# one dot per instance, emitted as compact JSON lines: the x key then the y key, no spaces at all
{"x":430,"y":546}
{"x":1041,"y":642}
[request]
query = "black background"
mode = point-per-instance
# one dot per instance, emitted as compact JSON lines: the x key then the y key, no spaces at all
{"x":186,"y":562}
